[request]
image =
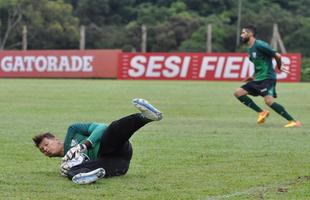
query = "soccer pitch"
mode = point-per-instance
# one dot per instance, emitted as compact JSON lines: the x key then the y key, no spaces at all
{"x":208,"y":146}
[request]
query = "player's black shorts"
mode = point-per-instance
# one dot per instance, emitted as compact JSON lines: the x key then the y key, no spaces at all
{"x":261,"y":88}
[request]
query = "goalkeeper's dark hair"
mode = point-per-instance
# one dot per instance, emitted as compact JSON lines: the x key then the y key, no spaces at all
{"x":251,"y":28}
{"x":38,"y":138}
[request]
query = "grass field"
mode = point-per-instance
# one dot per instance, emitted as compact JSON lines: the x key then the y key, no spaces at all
{"x":208,"y":145}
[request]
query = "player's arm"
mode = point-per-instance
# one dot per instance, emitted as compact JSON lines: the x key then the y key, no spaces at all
{"x":280,"y":67}
{"x":267,"y":49}
{"x":96,"y":130}
{"x":76,"y":129}
{"x":277,"y":57}
{"x":72,"y":132}
{"x":92,"y":131}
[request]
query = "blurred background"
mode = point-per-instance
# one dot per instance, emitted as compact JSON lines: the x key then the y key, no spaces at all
{"x":155,"y":25}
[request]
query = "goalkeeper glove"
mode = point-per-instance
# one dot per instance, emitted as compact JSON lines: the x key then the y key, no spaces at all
{"x":67,"y":165}
{"x":74,"y":152}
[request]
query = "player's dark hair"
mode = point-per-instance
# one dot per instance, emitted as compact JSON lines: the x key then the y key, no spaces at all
{"x":38,"y":138}
{"x":251,"y":28}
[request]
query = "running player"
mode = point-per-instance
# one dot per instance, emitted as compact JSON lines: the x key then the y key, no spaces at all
{"x":263,"y":82}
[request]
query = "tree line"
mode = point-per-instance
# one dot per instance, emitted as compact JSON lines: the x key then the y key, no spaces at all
{"x":172,"y":25}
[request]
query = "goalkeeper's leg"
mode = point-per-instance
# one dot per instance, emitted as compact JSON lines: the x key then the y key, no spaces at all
{"x":119,"y":132}
{"x":115,"y":164}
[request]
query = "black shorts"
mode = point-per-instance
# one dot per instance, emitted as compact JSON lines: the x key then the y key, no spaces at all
{"x":261,"y":88}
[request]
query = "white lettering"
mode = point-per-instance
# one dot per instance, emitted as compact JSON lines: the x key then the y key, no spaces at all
{"x":137,"y":67}
{"x":76,"y":63}
{"x":185,"y":66}
{"x":172,"y":64}
{"x":19,"y":64}
{"x":87,"y":60}
{"x":6,"y":63}
{"x":205,"y":66}
{"x":40,"y":64}
{"x":153,"y":65}
{"x":247,"y":68}
{"x":64,"y":64}
{"x":28,"y":62}
{"x":52,"y":64}
{"x":219,"y":67}
{"x":46,"y":63}
{"x":230,"y":66}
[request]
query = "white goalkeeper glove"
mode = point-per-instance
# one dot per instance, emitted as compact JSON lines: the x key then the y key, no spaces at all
{"x":74,"y":152}
{"x":67,"y":165}
{"x":64,"y":168}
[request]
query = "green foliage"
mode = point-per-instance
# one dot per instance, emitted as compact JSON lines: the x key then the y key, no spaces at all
{"x":168,"y":36}
{"x":305,"y":72}
{"x":7,"y":3}
{"x":173,"y":25}
{"x":107,"y":37}
{"x":50,"y":24}
{"x":162,"y":19}
{"x":178,"y":7}
{"x":159,"y":14}
{"x":196,"y":43}
{"x":300,"y":7}
{"x":296,"y":39}
{"x":106,"y":12}
{"x":52,"y":20}
{"x":209,"y":7}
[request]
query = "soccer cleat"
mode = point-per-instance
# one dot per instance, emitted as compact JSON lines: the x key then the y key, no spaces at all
{"x":292,"y":124}
{"x":262,"y":116}
{"x":148,"y":111}
{"x":89,"y":177}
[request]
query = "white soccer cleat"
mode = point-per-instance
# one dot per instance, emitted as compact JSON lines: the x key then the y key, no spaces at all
{"x":148,"y":111}
{"x":89,"y":177}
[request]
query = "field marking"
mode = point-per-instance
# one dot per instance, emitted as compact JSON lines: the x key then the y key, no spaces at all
{"x":261,"y":190}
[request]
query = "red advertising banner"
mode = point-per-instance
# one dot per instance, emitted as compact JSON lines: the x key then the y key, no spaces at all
{"x":198,"y":66}
{"x":59,"y":63}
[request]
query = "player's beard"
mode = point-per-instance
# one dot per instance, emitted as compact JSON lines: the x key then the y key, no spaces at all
{"x":245,"y":40}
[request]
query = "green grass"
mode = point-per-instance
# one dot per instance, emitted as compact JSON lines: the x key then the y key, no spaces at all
{"x":208,"y":145}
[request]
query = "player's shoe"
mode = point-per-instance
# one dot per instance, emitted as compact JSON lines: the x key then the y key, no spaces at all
{"x":262,"y":116}
{"x":89,"y":177}
{"x":292,"y":124}
{"x":148,"y":111}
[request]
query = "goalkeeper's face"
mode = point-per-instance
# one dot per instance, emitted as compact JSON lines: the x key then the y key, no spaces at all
{"x":51,"y":147}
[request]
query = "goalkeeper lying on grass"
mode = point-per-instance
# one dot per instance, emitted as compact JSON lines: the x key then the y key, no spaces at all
{"x":92,"y":150}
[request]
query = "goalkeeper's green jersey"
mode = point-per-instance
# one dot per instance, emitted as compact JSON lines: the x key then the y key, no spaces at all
{"x":79,"y":132}
{"x":261,"y":54}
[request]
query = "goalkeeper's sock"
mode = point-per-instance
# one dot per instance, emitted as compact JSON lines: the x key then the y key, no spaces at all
{"x":281,"y":111}
{"x":249,"y":103}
